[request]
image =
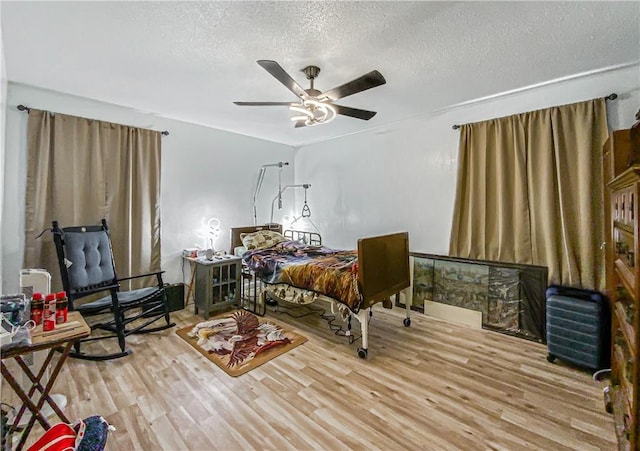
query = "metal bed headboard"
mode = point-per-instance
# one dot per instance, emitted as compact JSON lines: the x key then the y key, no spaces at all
{"x":310,"y":238}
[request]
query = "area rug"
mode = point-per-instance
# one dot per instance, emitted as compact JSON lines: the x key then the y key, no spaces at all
{"x":240,"y":341}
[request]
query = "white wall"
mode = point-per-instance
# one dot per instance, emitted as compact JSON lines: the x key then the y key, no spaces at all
{"x":205,"y":173}
{"x":3,"y":114}
{"x":402,"y":177}
{"x":399,"y":177}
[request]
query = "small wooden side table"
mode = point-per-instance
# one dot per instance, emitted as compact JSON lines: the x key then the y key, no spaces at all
{"x":62,"y":337}
{"x":217,"y":283}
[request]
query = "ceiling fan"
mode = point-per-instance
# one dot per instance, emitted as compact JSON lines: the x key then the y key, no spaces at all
{"x":315,"y":107}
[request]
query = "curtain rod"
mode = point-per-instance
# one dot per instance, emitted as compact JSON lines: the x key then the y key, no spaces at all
{"x":612,"y":96}
{"x":28,"y":110}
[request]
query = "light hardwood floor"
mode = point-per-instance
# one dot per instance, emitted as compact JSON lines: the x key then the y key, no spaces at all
{"x":434,"y":385}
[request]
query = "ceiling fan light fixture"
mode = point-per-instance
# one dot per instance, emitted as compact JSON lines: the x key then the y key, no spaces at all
{"x":300,"y":108}
{"x":313,"y":112}
{"x":315,"y":107}
{"x":328,"y":111}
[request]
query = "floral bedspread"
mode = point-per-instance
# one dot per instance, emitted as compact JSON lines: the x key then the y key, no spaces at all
{"x":330,"y":272}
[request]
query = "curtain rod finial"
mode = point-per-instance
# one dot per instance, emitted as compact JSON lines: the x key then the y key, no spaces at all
{"x":612,"y":96}
{"x":455,"y":126}
{"x":24,"y":108}
{"x":165,"y":133}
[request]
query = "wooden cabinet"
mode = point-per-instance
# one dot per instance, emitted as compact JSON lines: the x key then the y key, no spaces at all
{"x":618,"y":155}
{"x":624,"y":292}
{"x":634,"y":135}
{"x":616,"y":158}
{"x":217,"y":284}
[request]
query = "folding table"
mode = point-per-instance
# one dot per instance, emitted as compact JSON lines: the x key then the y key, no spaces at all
{"x":61,"y":338}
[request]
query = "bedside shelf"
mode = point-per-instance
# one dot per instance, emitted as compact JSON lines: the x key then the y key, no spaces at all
{"x":217,"y":284}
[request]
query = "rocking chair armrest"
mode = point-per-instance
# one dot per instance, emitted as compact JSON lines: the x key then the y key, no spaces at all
{"x":157,"y":273}
{"x":115,"y":286}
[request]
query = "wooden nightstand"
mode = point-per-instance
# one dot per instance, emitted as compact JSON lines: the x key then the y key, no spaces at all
{"x":217,"y":283}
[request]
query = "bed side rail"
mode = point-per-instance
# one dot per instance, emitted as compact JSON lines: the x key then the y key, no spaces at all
{"x":310,"y":238}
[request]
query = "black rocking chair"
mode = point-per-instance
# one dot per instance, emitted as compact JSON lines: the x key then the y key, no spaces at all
{"x":87,"y":268}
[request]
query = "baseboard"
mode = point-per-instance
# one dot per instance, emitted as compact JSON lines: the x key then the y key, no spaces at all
{"x":454,"y":314}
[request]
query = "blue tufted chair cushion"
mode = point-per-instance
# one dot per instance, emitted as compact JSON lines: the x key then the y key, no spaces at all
{"x":125,"y":297}
{"x":90,"y":257}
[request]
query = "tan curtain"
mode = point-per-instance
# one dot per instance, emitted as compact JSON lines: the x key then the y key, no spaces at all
{"x":529,"y":190}
{"x":80,"y":171}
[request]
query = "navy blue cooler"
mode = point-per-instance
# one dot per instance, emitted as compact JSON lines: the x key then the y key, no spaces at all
{"x":578,"y":327}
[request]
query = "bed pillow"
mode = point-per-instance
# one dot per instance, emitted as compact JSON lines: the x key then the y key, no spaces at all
{"x":238,"y":251}
{"x":261,"y":239}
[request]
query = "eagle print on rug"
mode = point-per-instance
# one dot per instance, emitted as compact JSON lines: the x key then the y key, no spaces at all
{"x":238,"y":337}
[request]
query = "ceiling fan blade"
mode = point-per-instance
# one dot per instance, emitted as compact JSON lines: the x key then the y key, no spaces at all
{"x":263,"y":103}
{"x":283,"y":77}
{"x":300,"y":124}
{"x":367,"y":81}
{"x":354,"y":112}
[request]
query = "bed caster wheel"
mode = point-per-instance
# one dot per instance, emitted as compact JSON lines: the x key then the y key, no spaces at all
{"x":406,"y":322}
{"x":551,"y":358}
{"x":362,"y":353}
{"x":271,"y":302}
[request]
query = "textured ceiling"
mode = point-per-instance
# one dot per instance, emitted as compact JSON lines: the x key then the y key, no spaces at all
{"x":191,"y":60}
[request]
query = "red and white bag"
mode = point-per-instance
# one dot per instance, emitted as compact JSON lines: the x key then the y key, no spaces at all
{"x":89,"y":434}
{"x":59,"y":437}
